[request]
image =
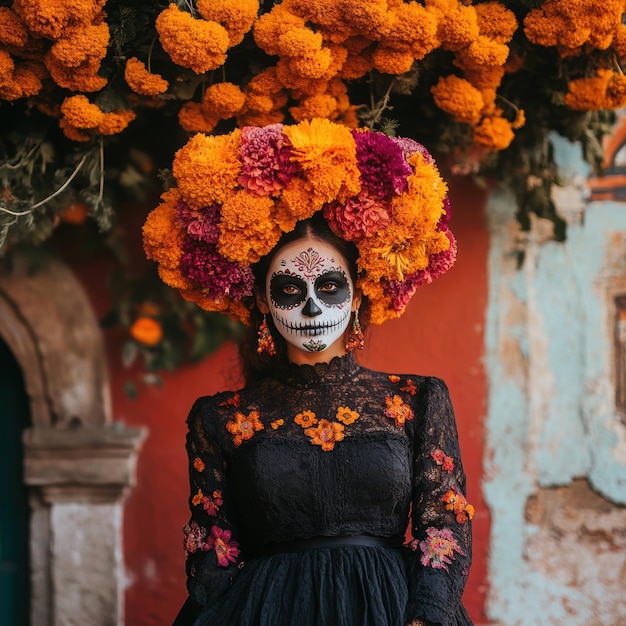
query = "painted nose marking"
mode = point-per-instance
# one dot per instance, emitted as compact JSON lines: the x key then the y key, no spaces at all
{"x":311,"y":309}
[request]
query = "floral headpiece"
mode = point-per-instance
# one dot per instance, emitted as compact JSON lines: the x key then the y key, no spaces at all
{"x":238,"y":193}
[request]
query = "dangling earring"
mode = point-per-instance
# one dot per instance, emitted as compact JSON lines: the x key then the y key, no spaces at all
{"x":356,"y":341}
{"x":265,"y":343}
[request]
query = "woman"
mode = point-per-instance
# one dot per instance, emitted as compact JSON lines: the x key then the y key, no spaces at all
{"x":303,"y":482}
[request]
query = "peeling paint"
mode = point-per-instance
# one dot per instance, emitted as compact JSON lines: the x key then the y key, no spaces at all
{"x":552,"y":424}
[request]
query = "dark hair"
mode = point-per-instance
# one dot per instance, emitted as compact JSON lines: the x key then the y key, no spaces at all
{"x":255,"y":365}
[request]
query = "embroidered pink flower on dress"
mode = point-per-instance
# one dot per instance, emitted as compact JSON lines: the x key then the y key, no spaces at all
{"x":440,"y":457}
{"x":195,"y":538}
{"x":225,"y":549}
{"x":212,"y":505}
{"x":438,"y":548}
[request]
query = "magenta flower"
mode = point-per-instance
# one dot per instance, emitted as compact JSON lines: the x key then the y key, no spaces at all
{"x":201,"y":224}
{"x":439,"y":547}
{"x":266,"y":159}
{"x":409,"y":147}
{"x":383,"y":168}
{"x":361,"y":216}
{"x":225,"y":549}
{"x":202,"y":263}
{"x":195,"y":538}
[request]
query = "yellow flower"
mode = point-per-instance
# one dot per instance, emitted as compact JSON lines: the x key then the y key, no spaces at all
{"x":243,"y":426}
{"x":346,"y":415}
{"x":305,"y":419}
{"x":326,"y":434}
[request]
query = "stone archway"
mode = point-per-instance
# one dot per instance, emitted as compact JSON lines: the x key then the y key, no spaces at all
{"x":78,"y":462}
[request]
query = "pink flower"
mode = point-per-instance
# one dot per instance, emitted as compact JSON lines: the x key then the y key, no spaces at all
{"x":409,"y":147}
{"x":440,"y":457}
{"x":195,"y":538}
{"x":212,"y":505}
{"x":438,"y":548}
{"x":225,"y":549}
{"x":266,"y":159}
{"x":201,"y":224}
{"x":383,"y":168}
{"x":360,"y":217}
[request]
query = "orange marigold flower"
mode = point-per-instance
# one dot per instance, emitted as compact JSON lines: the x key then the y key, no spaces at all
{"x":616,"y":92}
{"x":346,"y":415}
{"x":87,"y":41}
{"x":270,"y":26}
{"x":326,"y":434}
{"x":412,"y":27}
{"x":305,"y":419}
{"x":457,"y":23}
{"x":223,"y":100}
{"x":198,"y":464}
{"x":13,"y":31}
{"x":141,"y":81}
{"x":322,"y":105}
{"x":265,"y":81}
{"x":391,"y":61}
{"x":483,"y":51}
{"x":206,"y":168}
{"x":398,"y":410}
{"x":51,"y":19}
{"x":197,"y":498}
{"x":244,"y":426}
{"x":75,"y":213}
{"x":236,"y":16}
{"x":197,"y":44}
{"x":484,"y":77}
{"x":299,"y":42}
{"x":457,"y":97}
{"x":7,"y":67}
{"x":520,"y":119}
{"x":457,"y":503}
{"x":496,"y":21}
{"x":494,"y":133}
{"x":82,"y":78}
{"x":115,"y":122}
{"x":71,"y":132}
{"x":147,"y":331}
{"x":162,"y":236}
{"x":356,"y":66}
{"x":193,"y":119}
{"x":80,"y":113}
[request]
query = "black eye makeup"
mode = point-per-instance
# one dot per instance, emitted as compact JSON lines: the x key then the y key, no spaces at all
{"x":287,"y":291}
{"x":332,"y":287}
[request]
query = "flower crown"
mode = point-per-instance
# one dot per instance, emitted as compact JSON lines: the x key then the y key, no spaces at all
{"x":236,"y":195}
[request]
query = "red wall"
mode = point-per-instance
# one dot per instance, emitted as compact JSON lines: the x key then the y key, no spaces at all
{"x":441,"y":334}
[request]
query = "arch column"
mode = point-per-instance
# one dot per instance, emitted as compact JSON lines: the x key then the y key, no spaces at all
{"x":78,"y":462}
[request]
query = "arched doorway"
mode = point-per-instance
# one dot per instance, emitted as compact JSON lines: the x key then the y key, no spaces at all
{"x":14,"y":515}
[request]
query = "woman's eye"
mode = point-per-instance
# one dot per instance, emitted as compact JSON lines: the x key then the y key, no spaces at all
{"x":290,"y":290}
{"x":329,"y":287}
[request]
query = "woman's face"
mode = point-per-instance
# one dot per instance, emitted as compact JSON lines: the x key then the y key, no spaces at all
{"x":309,"y":293}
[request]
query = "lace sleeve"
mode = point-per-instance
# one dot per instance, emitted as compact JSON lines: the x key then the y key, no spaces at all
{"x":441,"y":518}
{"x":210,"y":545}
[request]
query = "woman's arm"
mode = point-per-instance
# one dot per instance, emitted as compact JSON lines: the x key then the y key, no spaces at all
{"x":210,"y":536}
{"x":441,"y":526}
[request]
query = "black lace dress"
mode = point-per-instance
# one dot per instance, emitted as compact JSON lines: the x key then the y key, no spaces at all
{"x":302,"y":488}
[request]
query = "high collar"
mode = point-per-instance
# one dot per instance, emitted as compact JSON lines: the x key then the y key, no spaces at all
{"x":339,"y":369}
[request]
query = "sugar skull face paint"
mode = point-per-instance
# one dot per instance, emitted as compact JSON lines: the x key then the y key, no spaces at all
{"x":310,"y":294}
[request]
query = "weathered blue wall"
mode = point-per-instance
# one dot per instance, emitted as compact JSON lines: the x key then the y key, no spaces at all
{"x":555,"y":470}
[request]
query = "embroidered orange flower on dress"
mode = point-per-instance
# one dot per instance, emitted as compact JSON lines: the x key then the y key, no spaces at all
{"x":305,"y":419}
{"x":457,"y":503}
{"x":198,"y":463}
{"x":244,"y":426}
{"x":326,"y":434}
{"x":197,"y":498}
{"x":398,"y":410}
{"x":277,"y":424}
{"x":409,"y":387}
{"x":346,"y":415}
{"x":393,"y":378}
